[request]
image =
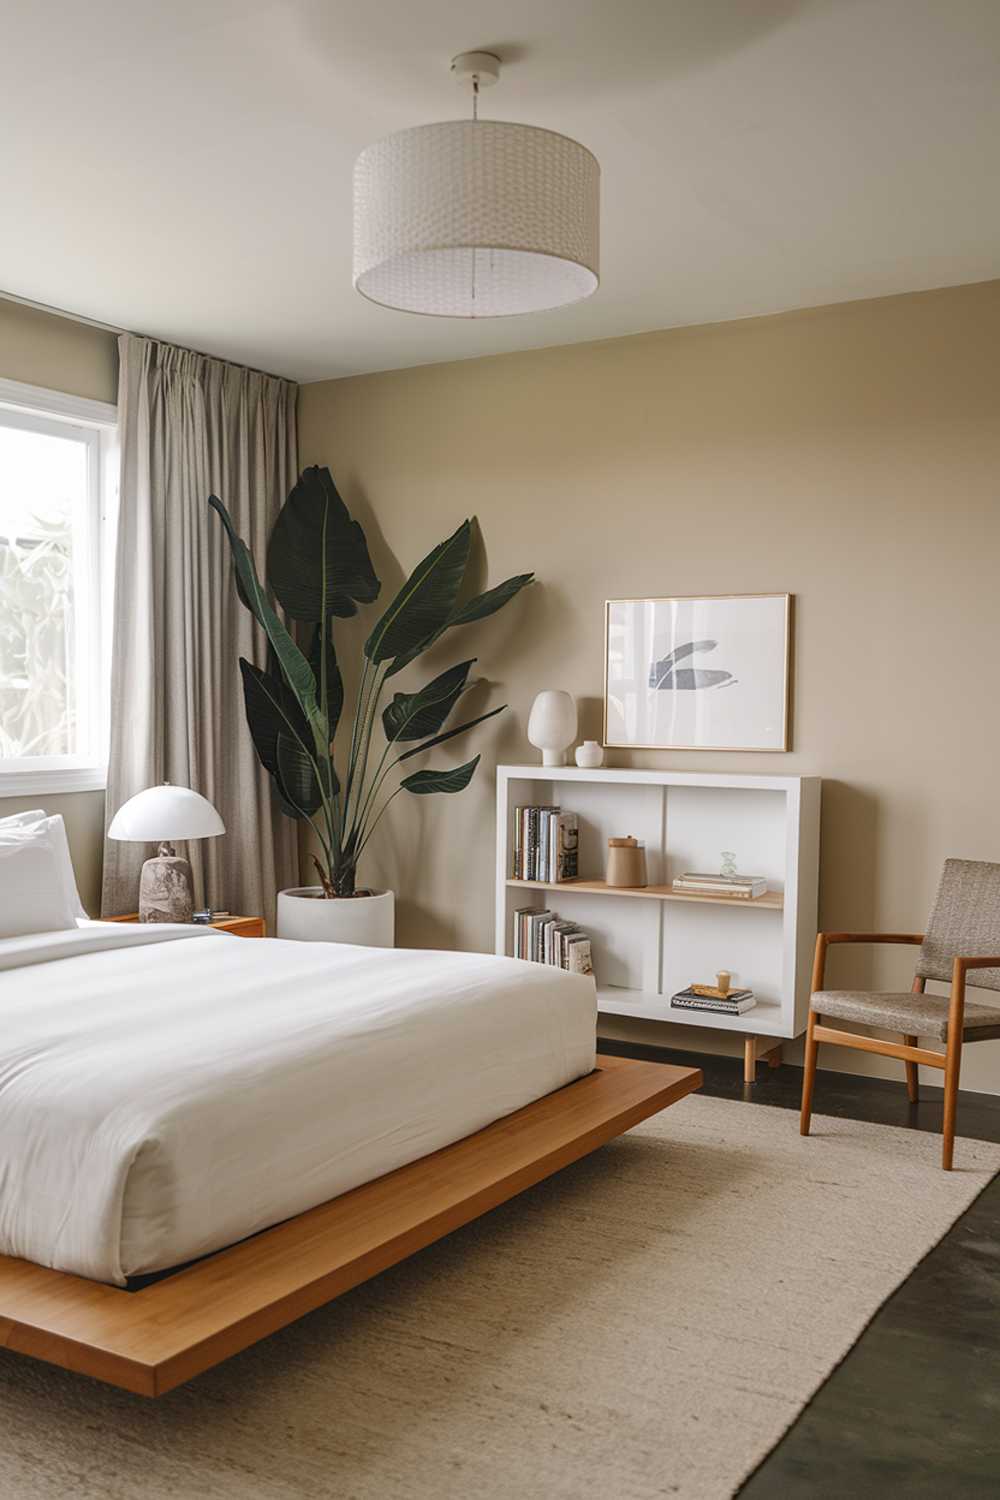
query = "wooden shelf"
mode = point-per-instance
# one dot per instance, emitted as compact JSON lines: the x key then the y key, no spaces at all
{"x":770,"y":901}
{"x":764,"y":1019}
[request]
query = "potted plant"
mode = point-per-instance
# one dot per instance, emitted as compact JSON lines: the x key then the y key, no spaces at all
{"x":327,"y":772}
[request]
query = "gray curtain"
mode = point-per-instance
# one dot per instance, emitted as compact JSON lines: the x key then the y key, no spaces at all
{"x":190,"y":427}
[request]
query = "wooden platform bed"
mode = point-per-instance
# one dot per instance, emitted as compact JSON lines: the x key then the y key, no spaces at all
{"x":151,"y":1340}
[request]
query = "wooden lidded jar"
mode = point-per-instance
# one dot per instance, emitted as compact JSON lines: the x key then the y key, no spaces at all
{"x":626,"y":862}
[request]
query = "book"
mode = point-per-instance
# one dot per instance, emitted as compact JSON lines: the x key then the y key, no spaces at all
{"x":520,"y":930}
{"x":567,"y":842}
{"x":517,"y":850}
{"x":578,"y":954}
{"x":532,"y":835}
{"x":746,"y":890}
{"x":535,"y":924}
{"x":756,"y":885}
{"x":713,"y":1007}
{"x":560,"y":931}
{"x":737,"y":1004}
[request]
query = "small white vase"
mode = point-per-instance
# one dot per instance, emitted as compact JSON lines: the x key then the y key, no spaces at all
{"x":552,"y":725}
{"x":589,"y":755}
{"x":306,"y":917}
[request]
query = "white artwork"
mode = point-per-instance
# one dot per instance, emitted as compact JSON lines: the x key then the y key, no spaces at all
{"x":697,"y":674}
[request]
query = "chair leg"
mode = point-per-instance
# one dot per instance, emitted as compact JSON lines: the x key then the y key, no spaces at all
{"x":911,"y":1072}
{"x":809,"y":1074}
{"x":952,"y":1067}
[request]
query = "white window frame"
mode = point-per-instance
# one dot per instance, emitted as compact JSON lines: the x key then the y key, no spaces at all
{"x":36,"y":409}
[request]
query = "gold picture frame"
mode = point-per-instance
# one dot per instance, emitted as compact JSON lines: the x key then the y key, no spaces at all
{"x":760,"y":712}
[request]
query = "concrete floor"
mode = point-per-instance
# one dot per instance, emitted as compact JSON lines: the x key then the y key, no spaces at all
{"x":914,"y":1408}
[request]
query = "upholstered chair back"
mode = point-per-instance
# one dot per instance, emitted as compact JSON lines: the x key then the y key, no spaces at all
{"x":965,"y":922}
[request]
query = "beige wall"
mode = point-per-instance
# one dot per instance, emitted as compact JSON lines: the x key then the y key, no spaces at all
{"x":42,"y":349}
{"x":850,"y":455}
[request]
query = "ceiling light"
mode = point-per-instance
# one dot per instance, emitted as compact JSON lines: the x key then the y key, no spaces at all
{"x":476,"y":218}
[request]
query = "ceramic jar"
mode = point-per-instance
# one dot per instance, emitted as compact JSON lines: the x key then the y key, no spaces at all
{"x":626,"y":862}
{"x":589,"y":755}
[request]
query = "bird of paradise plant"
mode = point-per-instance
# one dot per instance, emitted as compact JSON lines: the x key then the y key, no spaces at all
{"x":319,"y":570}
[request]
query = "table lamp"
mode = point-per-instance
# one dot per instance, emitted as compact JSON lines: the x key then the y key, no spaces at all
{"x":161,"y":814}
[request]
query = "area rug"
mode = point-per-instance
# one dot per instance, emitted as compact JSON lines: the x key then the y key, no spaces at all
{"x":647,"y":1323}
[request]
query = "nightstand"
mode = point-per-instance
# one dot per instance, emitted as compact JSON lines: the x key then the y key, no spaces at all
{"x":238,"y":926}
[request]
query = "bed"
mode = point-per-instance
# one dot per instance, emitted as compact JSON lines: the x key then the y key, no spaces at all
{"x":291,"y":1117}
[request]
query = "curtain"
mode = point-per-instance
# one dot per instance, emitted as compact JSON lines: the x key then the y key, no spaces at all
{"x":190,"y":427}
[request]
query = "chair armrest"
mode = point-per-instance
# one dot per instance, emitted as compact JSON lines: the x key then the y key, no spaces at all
{"x":873,"y":937}
{"x":977,"y":963}
{"x":823,"y":939}
{"x":956,"y":1004}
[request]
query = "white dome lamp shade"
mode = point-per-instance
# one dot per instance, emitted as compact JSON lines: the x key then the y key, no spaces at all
{"x":476,"y":218}
{"x":159,"y":815}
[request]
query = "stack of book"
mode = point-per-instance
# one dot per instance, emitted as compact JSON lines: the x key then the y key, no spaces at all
{"x":705,"y":997}
{"x":741,"y":887}
{"x":542,"y":938}
{"x":545,"y":844}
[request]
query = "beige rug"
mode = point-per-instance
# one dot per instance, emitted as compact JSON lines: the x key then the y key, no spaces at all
{"x":647,"y":1323}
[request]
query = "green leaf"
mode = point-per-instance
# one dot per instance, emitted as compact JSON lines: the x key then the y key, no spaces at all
{"x":296,"y":670}
{"x":493,"y":599}
{"x":297,"y":780}
{"x":450,"y":734}
{"x":421,"y":783}
{"x":412,"y":716}
{"x":420,"y":609}
{"x":271,"y":709}
{"x":476,"y":609}
{"x":317,"y":559}
{"x":334,"y":681}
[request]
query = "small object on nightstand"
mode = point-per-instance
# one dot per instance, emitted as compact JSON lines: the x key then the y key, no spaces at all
{"x":626,"y":863}
{"x":724,"y":981}
{"x":728,"y":866}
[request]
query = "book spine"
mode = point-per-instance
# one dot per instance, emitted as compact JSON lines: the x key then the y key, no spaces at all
{"x":515,"y":856}
{"x":567,"y":844}
{"x":710,"y":1005}
{"x":532,"y":843}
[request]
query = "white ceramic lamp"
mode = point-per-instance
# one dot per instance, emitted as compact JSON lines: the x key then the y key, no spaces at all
{"x":552,"y":725}
{"x":159,"y":815}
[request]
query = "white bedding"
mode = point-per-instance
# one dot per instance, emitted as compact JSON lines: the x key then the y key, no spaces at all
{"x":165,"y":1091}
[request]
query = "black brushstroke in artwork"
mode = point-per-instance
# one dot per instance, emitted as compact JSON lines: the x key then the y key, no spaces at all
{"x":666,"y":676}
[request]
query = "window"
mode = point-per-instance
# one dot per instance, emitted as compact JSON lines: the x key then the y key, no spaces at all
{"x":57,"y":502}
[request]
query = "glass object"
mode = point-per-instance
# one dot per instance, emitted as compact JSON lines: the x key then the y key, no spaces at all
{"x":728,"y":864}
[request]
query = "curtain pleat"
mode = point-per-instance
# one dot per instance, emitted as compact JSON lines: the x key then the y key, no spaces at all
{"x":193,"y":426}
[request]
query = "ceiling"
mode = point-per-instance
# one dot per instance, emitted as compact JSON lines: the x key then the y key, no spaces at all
{"x":184,"y":170}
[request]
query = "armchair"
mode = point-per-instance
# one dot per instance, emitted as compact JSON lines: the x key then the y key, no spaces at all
{"x":963,"y":936}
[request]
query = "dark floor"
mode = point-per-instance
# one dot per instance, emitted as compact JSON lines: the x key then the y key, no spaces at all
{"x":914,"y":1409}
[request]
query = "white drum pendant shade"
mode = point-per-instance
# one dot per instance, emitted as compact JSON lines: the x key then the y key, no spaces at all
{"x":476,"y":219}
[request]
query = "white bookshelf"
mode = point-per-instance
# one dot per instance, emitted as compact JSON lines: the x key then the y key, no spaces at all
{"x":650,"y":942}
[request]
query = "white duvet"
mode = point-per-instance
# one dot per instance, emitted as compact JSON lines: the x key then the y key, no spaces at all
{"x":165,"y":1091}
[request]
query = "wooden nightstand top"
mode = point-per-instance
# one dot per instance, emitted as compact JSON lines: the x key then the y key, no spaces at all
{"x":251,"y":927}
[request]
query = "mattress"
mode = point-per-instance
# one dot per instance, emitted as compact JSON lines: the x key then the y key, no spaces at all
{"x":166,"y":1091}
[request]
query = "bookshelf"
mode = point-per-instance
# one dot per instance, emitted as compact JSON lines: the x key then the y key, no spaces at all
{"x":649,"y":942}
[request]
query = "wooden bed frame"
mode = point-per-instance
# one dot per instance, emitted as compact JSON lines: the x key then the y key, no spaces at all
{"x":151,"y":1340}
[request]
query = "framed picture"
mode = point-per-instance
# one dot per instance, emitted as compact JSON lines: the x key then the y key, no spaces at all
{"x":705,"y":673}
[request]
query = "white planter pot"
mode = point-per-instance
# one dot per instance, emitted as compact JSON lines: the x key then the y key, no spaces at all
{"x":305,"y":917}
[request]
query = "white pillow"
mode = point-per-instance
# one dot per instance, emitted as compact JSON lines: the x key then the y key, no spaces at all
{"x":39,"y":815}
{"x":33,"y":895}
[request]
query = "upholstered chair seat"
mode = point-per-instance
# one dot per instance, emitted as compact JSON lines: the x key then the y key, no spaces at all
{"x":914,"y":1014}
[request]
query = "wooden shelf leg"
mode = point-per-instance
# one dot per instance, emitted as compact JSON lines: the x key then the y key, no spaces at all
{"x":751,"y":1057}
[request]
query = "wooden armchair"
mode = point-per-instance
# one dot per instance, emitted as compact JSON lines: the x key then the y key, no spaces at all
{"x":963,"y":935}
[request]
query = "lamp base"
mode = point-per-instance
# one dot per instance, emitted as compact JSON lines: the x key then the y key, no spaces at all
{"x":166,"y":888}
